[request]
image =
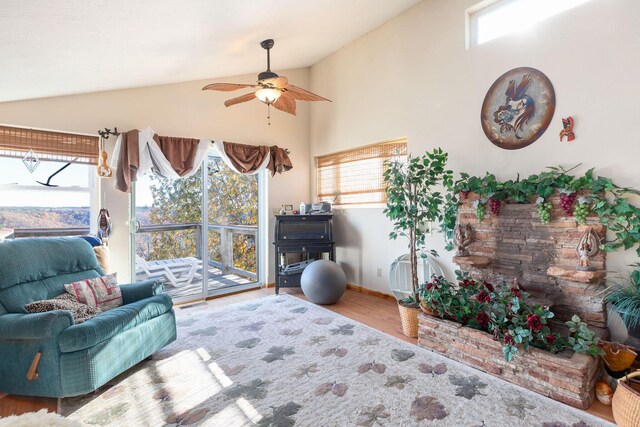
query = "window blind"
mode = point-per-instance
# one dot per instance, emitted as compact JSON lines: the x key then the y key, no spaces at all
{"x":48,"y":145}
{"x":356,"y":176}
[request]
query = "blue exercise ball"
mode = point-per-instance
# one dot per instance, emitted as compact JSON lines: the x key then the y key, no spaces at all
{"x":323,"y":282}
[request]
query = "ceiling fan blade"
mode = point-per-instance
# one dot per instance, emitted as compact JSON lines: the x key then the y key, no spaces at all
{"x":304,"y":95}
{"x":286,"y":103}
{"x":238,"y":100}
{"x":226,"y":87}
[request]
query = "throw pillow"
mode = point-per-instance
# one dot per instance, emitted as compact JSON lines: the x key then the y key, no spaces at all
{"x":99,"y":292}
{"x":102,"y":254}
{"x":80,"y":312}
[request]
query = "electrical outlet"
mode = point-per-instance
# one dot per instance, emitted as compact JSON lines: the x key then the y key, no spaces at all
{"x":379,"y":272}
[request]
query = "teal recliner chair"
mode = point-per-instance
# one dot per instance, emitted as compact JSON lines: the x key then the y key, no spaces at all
{"x":74,"y":359}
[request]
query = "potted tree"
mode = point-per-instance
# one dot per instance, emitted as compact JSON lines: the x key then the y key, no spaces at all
{"x":624,"y":298}
{"x":413,"y":202}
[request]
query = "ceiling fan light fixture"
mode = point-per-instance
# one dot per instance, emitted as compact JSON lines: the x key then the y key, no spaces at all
{"x":270,"y":89}
{"x":268,"y":95}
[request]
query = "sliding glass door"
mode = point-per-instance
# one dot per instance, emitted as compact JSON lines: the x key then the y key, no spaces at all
{"x":198,"y":235}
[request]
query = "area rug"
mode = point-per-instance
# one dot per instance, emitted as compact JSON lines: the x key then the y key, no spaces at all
{"x":281,"y":361}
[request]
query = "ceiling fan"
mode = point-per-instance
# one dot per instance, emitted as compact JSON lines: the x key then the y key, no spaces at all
{"x":271,"y":89}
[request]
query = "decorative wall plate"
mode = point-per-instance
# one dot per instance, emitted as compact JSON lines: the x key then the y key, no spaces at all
{"x":518,"y":108}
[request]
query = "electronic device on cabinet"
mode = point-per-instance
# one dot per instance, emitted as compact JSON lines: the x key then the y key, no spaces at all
{"x":318,"y":208}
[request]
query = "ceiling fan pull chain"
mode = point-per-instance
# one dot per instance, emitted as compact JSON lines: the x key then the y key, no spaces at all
{"x":269,"y":114}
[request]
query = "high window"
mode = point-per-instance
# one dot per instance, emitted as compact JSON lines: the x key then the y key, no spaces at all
{"x":491,"y":19}
{"x":354,"y":177}
{"x":27,"y":204}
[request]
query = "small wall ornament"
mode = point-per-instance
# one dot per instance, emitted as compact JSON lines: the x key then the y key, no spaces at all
{"x":518,"y":108}
{"x":462,"y":237}
{"x":567,"y":124}
{"x":588,"y":247}
{"x":103,"y":169}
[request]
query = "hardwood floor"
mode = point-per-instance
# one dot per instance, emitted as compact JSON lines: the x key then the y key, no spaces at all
{"x":372,"y":310}
{"x":15,"y":405}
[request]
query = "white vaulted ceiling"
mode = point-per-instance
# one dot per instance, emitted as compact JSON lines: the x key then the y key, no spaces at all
{"x":60,"y":47}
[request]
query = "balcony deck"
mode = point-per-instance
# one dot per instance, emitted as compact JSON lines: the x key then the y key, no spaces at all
{"x":217,"y":280}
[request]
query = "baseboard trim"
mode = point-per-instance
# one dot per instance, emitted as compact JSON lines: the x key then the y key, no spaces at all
{"x":370,"y":292}
{"x":356,"y":288}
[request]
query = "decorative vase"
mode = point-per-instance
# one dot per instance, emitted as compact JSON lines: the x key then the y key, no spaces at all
{"x":618,"y":357}
{"x":409,"y":320}
{"x":633,"y":338}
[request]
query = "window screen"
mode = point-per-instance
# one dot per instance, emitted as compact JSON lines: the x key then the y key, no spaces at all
{"x":355,"y":176}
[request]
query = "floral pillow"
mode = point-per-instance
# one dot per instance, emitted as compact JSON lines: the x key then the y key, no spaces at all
{"x":80,"y":312}
{"x":99,"y":292}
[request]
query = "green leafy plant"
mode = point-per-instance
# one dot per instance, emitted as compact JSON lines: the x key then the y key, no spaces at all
{"x":444,"y":298}
{"x":625,"y":297}
{"x":597,"y":195}
{"x":582,"y":339}
{"x":414,"y":201}
{"x":516,"y":322}
{"x":505,"y":312}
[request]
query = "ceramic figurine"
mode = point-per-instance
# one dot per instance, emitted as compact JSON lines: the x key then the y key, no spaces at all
{"x":515,"y":283}
{"x":567,"y":124}
{"x":462,"y":237}
{"x":588,"y":247}
{"x":104,"y":171}
{"x":104,"y":225}
{"x":604,"y":393}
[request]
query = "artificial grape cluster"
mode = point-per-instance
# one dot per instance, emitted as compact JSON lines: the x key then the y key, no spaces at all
{"x":495,"y":206}
{"x":580,"y":212}
{"x":544,"y":212}
{"x":566,"y":203}
{"x":480,"y":209}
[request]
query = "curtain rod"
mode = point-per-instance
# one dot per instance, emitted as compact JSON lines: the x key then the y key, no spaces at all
{"x":107,"y":132}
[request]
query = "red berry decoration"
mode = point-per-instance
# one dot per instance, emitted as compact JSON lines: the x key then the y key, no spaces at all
{"x":495,"y":206}
{"x":566,"y":202}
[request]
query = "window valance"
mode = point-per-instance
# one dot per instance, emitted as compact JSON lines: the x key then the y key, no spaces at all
{"x":140,"y":151}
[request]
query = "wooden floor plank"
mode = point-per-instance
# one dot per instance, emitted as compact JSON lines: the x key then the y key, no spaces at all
{"x":371,"y":310}
{"x":16,"y":405}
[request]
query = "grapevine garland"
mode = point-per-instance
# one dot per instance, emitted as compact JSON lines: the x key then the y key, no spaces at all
{"x":579,"y":196}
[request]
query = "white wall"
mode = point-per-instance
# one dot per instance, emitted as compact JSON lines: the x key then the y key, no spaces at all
{"x":178,"y":110}
{"x":413,"y":77}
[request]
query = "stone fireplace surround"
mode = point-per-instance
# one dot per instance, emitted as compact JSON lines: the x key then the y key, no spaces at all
{"x":516,"y":245}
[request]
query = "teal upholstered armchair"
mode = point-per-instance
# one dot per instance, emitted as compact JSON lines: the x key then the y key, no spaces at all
{"x":46,"y":354}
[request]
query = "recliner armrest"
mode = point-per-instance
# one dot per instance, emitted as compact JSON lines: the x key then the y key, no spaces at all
{"x":34,"y":326}
{"x":136,"y":291}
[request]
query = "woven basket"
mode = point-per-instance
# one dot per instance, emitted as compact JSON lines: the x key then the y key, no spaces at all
{"x":409,"y":319}
{"x":626,"y":403}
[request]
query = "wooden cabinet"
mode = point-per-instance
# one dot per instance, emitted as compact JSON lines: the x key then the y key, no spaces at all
{"x":299,"y":240}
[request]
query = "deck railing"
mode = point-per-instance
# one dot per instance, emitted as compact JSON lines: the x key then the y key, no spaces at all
{"x":19,"y":233}
{"x":226,"y":231}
